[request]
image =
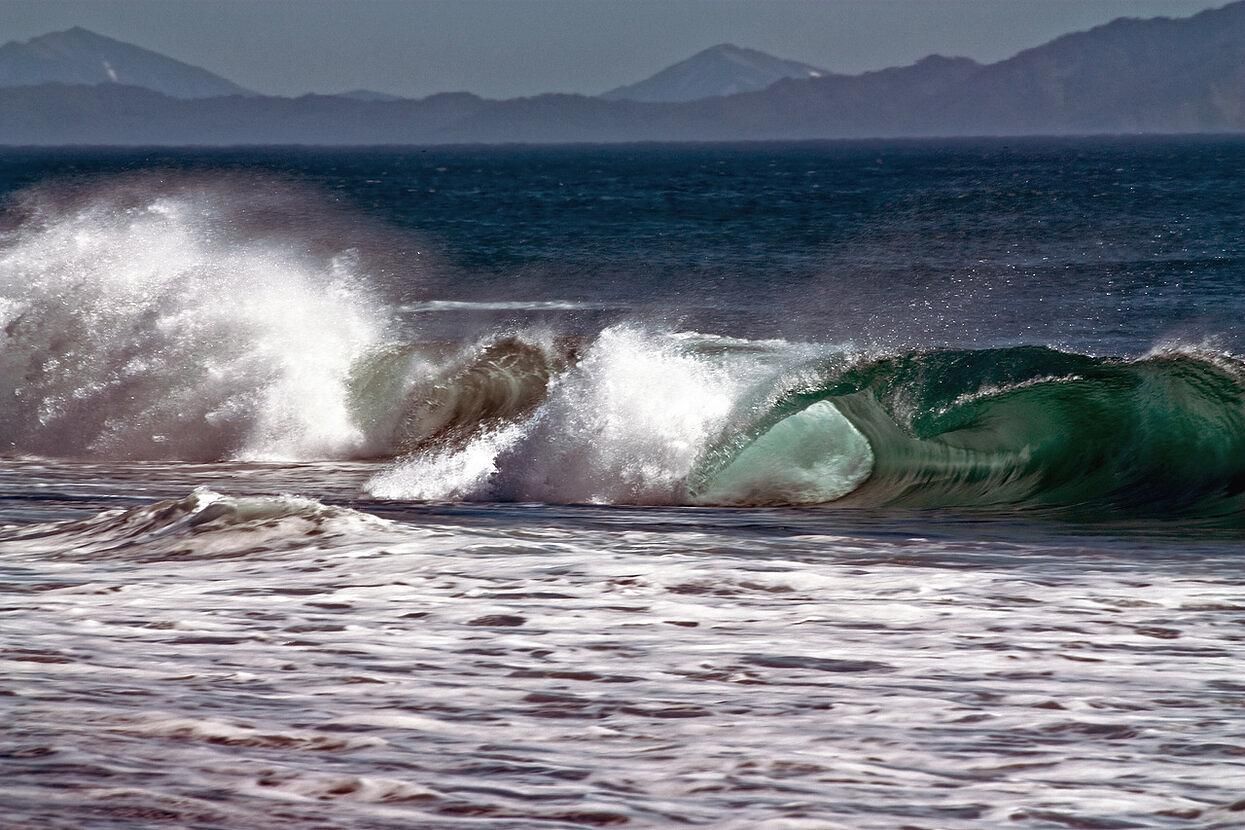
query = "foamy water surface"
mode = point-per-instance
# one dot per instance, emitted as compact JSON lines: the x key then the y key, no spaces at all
{"x":217,"y":661}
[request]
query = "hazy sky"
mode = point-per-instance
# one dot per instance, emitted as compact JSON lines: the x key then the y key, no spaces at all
{"x":503,"y":48}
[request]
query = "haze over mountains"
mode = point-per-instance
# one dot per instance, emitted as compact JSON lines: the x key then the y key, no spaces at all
{"x":1129,"y":76}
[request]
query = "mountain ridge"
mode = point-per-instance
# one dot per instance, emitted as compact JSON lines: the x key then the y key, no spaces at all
{"x":1129,"y":76}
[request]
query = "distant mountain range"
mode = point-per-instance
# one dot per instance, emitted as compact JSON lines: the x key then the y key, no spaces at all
{"x":78,"y":56}
{"x":1129,"y":76}
{"x":725,"y":69}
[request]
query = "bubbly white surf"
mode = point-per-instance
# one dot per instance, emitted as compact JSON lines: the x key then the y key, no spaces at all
{"x":305,"y":666}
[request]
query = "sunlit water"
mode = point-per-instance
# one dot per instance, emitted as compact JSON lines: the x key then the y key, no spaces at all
{"x":551,"y":574}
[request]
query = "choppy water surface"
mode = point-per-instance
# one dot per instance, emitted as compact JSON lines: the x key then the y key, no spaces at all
{"x":225,"y":662}
{"x":851,"y":486}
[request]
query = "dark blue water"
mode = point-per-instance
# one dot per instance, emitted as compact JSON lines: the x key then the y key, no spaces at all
{"x":1107,"y":244}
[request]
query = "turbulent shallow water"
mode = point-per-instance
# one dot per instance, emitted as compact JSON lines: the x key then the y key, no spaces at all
{"x":860,"y":486}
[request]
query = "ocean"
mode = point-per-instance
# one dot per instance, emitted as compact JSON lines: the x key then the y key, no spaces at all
{"x":825,"y":485}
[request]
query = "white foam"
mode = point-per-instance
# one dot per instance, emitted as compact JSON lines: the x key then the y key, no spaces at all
{"x":447,"y":474}
{"x":624,"y":425}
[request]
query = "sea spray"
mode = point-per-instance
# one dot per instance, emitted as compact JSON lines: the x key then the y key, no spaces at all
{"x":140,"y":321}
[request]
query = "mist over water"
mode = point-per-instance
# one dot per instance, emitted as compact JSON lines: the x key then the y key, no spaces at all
{"x":813,"y":486}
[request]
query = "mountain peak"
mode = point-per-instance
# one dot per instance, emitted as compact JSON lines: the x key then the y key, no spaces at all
{"x":75,"y":36}
{"x":733,"y":49}
{"x":80,"y":56}
{"x":724,"y":69}
{"x":944,"y":60}
{"x":76,"y":31}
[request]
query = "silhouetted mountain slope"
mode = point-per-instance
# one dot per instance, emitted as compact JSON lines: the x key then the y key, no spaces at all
{"x":725,"y":69}
{"x":1129,"y":76}
{"x":77,"y":56}
{"x":116,"y":114}
{"x":1157,"y":75}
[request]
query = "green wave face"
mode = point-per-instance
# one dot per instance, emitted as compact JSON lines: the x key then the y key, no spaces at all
{"x":812,"y":456}
{"x":1022,"y":427}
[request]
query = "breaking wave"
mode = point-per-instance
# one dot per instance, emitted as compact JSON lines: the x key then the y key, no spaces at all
{"x":159,"y":320}
{"x":649,"y":418}
{"x":1022,"y":427}
{"x":203,"y":525}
